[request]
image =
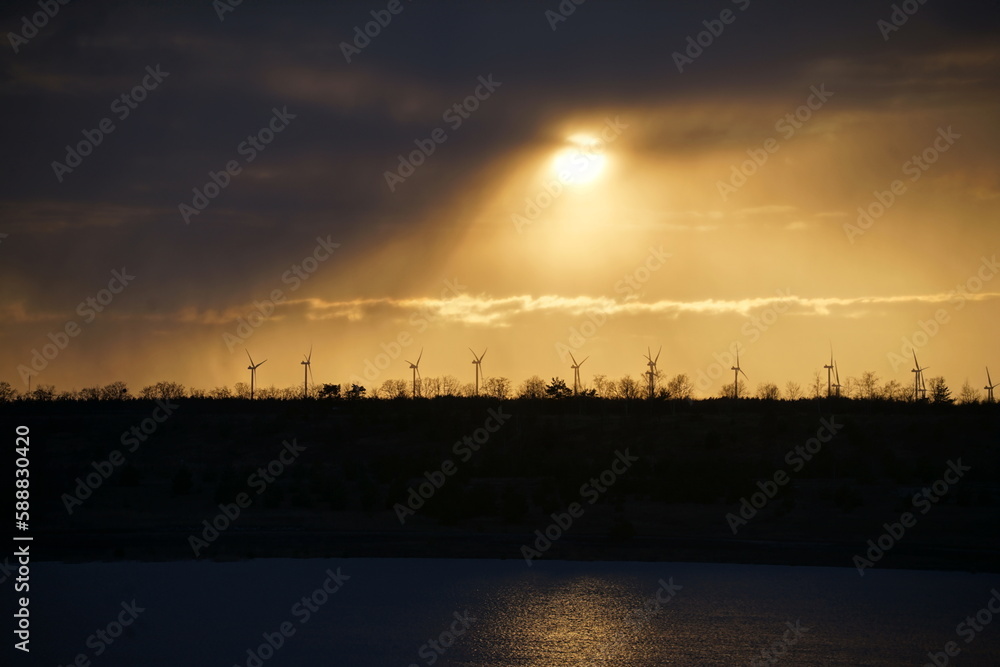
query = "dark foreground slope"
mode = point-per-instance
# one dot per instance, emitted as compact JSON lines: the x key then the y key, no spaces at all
{"x":349,"y":469}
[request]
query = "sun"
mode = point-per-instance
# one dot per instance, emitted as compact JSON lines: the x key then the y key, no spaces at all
{"x":582,"y":161}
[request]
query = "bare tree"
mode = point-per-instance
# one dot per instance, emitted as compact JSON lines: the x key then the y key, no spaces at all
{"x":533,"y":387}
{"x":115,"y":391}
{"x":868,"y":386}
{"x":393,"y":389}
{"x":680,"y":386}
{"x":969,"y":394}
{"x":727,"y":390}
{"x":222,"y":392}
{"x":628,"y":388}
{"x":793,"y":391}
{"x":768,"y":391}
{"x":894,"y":391}
{"x":498,"y":388}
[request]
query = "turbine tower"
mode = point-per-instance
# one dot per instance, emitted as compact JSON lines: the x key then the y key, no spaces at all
{"x":990,"y":386}
{"x":415,"y":367}
{"x":651,"y":372}
{"x":576,"y":372}
{"x":919,"y":390}
{"x":253,"y":371}
{"x":829,"y":367}
{"x":306,"y":372}
{"x":836,"y":374}
{"x":478,"y":360}
{"x":736,"y":375}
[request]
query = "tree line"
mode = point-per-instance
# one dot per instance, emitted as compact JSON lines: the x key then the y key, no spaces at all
{"x":866,"y":387}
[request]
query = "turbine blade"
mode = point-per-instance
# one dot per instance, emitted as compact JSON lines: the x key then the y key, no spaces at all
{"x":744,"y":374}
{"x":574,"y":360}
{"x":421,"y":356}
{"x":248,"y":356}
{"x":989,"y":380}
{"x":581,"y":363}
{"x":658,"y":354}
{"x":915,"y":364}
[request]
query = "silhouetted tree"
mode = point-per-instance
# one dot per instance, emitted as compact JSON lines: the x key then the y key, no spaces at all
{"x":969,"y":394}
{"x":628,"y":388}
{"x":680,"y":386}
{"x":498,"y":388}
{"x":7,"y":392}
{"x":558,"y":389}
{"x":533,"y":387}
{"x":868,"y":386}
{"x":355,"y":392}
{"x":793,"y":391}
{"x":221,"y":392}
{"x":768,"y":391}
{"x":393,"y":389}
{"x":330,"y":391}
{"x":727,"y":390}
{"x":116,"y":391}
{"x":939,"y":392}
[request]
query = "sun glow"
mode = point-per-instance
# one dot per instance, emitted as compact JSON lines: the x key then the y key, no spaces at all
{"x":582,"y":161}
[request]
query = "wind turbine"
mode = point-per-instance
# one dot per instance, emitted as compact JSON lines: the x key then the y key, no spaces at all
{"x":478,"y":360}
{"x":415,"y":367}
{"x":651,"y":373}
{"x":829,"y":367}
{"x":576,"y":372}
{"x":736,"y":375}
{"x":306,"y":372}
{"x":253,"y":371}
{"x":918,"y":379}
{"x":836,"y":374}
{"x":990,"y":386}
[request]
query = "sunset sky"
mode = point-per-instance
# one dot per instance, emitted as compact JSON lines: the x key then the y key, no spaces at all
{"x":590,"y":180}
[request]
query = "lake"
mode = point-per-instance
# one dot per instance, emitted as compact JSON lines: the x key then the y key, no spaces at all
{"x":385,"y":612}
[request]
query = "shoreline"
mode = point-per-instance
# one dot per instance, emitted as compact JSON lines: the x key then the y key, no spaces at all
{"x":252,"y":544}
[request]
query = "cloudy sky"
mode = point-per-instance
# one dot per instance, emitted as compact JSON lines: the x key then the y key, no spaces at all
{"x":498,"y":175}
